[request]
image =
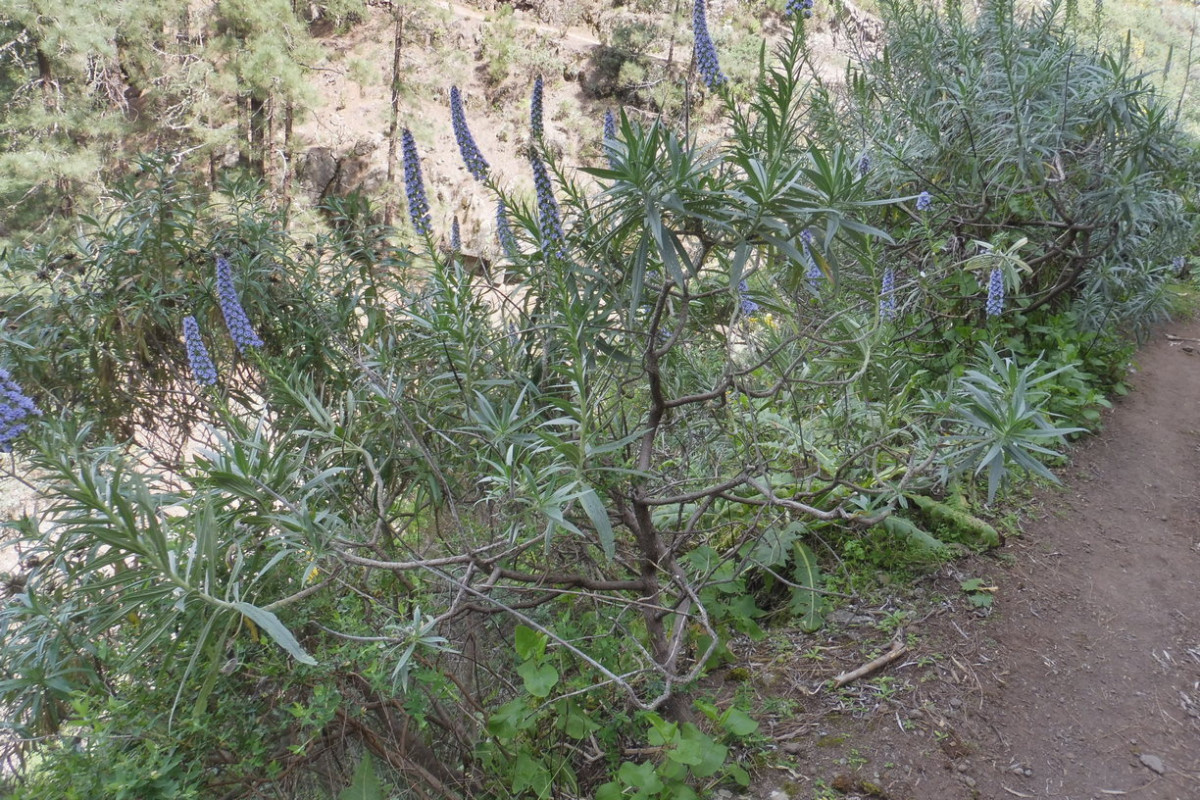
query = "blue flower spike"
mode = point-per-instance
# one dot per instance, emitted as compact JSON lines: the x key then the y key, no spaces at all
{"x":536,"y":128}
{"x":504,"y":232}
{"x":887,"y":295}
{"x":706,"y":52}
{"x":16,"y":410}
{"x":549,"y":223}
{"x":477,"y":165}
{"x":240,"y":329}
{"x":995,"y":297}
{"x":203,"y":369}
{"x":414,"y":185}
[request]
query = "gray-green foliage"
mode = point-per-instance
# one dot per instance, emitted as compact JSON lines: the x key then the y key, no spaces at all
{"x":1018,"y":130}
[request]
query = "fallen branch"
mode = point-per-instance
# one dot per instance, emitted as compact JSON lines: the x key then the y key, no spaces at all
{"x":1173,"y":338}
{"x":898,"y":649}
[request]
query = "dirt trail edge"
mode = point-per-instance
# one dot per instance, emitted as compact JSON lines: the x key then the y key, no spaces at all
{"x":1083,"y":681}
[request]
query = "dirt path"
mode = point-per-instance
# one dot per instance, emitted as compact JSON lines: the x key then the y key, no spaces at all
{"x":1083,"y":682}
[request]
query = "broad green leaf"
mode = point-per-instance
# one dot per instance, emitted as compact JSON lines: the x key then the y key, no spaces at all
{"x":528,"y":643}
{"x":539,"y":678}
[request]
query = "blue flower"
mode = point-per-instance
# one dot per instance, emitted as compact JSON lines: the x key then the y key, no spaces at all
{"x":864,"y":165}
{"x":15,"y":411}
{"x":536,"y":128}
{"x":414,"y":185}
{"x":455,"y":237}
{"x":202,"y":365}
{"x":706,"y":52}
{"x":748,"y":305}
{"x":240,"y":330}
{"x":477,"y":165}
{"x":549,"y":224}
{"x":924,"y":201}
{"x":887,"y":295}
{"x":504,"y":232}
{"x":995,"y":297}
{"x":802,"y":7}
{"x":610,"y":135}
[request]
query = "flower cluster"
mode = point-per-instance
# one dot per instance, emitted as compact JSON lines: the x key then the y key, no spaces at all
{"x":455,"y":237}
{"x":995,"y":298}
{"x":801,"y":7}
{"x":887,"y":295}
{"x":610,"y":134}
{"x":549,"y":224}
{"x":924,"y":201}
{"x":477,"y":165}
{"x":504,"y":232}
{"x":706,"y":52}
{"x":747,"y":304}
{"x":536,"y":129}
{"x":864,"y":165}
{"x":203,"y":369}
{"x":15,"y":411}
{"x":414,"y":185}
{"x":240,"y":330}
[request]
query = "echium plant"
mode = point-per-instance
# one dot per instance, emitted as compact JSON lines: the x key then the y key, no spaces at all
{"x":705,"y":50}
{"x":504,"y":231}
{"x":536,"y":127}
{"x":240,"y":329}
{"x":203,"y":369}
{"x":16,"y":411}
{"x":476,"y":164}
{"x":414,"y":186}
{"x":995,"y":295}
{"x":887,"y":295}
{"x":549,"y":221}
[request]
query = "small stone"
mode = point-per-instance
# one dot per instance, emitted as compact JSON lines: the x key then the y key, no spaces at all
{"x":963,"y":766}
{"x":778,"y":794}
{"x":1152,"y":763}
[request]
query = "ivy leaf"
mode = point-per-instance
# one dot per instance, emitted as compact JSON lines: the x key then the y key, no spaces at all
{"x":539,"y":678}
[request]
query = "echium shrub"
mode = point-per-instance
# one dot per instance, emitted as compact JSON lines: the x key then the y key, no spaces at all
{"x":1089,"y":179}
{"x":585,"y":467}
{"x":414,"y":186}
{"x":476,"y":164}
{"x":16,"y":411}
{"x":236,"y":319}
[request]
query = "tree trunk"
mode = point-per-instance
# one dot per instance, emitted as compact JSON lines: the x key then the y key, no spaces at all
{"x":389,"y":209}
{"x":258,"y":135}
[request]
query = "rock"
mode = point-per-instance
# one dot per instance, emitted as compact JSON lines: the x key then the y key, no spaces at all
{"x":1152,"y":763}
{"x":778,"y":794}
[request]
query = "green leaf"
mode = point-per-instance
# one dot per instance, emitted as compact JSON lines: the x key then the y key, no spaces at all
{"x":642,"y":777}
{"x":270,"y":623}
{"x":598,"y":514}
{"x":739,"y":723}
{"x":528,"y":643}
{"x":807,"y":605}
{"x":539,"y":678}
{"x":365,"y":785}
{"x":530,"y":773}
